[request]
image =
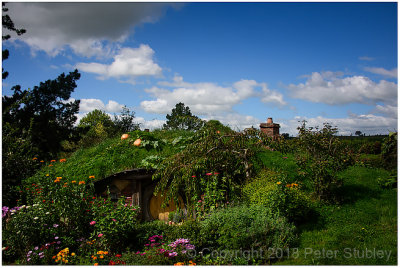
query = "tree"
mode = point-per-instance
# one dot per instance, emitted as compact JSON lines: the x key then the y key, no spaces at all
{"x":9,"y":25}
{"x":125,"y":121}
{"x":182,"y":118}
{"x":358,"y":133}
{"x":44,"y":113}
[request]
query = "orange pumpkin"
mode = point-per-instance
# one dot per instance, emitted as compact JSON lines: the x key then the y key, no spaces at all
{"x":124,"y":136}
{"x":137,"y":142}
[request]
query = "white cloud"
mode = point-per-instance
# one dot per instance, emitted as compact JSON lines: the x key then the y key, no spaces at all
{"x":334,"y":90}
{"x":387,"y":73}
{"x":207,"y":98}
{"x":389,"y":110}
{"x":129,"y":62}
{"x":369,"y":124}
{"x":150,"y":124}
{"x":236,"y":121}
{"x":88,"y":105}
{"x":89,"y":29}
{"x":366,"y":58}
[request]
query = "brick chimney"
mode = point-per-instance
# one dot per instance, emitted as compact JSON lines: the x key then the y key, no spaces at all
{"x":270,"y":128}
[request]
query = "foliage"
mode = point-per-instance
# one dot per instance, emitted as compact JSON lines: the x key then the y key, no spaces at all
{"x":389,"y":150}
{"x":125,"y":121}
{"x":274,"y":191}
{"x":113,"y":223}
{"x":214,"y":165}
{"x":44,"y":113}
{"x":9,"y":25}
{"x":320,"y":156}
{"x":95,"y":127}
{"x":389,"y":181}
{"x":182,"y":118}
{"x":371,"y":148}
{"x":246,"y":227}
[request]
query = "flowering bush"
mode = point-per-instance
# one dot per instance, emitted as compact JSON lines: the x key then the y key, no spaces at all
{"x":113,"y":223}
{"x":271,"y":190}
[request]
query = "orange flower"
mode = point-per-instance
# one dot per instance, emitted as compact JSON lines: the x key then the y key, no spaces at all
{"x":50,"y":165}
{"x":73,"y":181}
{"x":96,"y":264}
{"x":63,"y":160}
{"x":179,"y":264}
{"x":35,"y":158}
{"x":91,"y":177}
{"x":81,"y":182}
{"x":41,"y":161}
{"x":59,"y":178}
{"x":53,"y":161}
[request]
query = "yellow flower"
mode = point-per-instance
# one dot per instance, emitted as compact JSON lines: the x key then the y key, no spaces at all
{"x":47,"y":175}
{"x":73,"y":181}
{"x":101,"y":256}
{"x":72,"y":254}
{"x":59,"y":178}
{"x":278,"y":182}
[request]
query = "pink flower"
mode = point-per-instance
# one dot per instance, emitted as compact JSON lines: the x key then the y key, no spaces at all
{"x":100,"y":235}
{"x":209,"y":174}
{"x":92,"y":223}
{"x":199,"y":201}
{"x":114,"y":219}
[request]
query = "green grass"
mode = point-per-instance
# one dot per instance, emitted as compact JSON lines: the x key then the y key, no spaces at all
{"x":112,"y":156}
{"x":366,"y":222}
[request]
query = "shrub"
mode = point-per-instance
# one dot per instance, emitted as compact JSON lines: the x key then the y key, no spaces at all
{"x":389,"y":151}
{"x":320,"y":156}
{"x":113,"y":222}
{"x":272,"y":190}
{"x":246,"y":227}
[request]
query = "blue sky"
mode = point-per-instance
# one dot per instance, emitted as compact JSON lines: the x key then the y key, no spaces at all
{"x":235,"y":62}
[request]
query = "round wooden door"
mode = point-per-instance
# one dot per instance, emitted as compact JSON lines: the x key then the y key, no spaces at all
{"x":156,"y":209}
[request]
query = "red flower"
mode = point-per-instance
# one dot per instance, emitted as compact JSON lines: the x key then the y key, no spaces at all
{"x":216,"y":173}
{"x":94,"y":197}
{"x":118,"y":255}
{"x":111,"y":263}
{"x":194,"y":176}
{"x":209,"y":174}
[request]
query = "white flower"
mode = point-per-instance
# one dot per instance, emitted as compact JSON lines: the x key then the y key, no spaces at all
{"x":47,"y":213}
{"x":28,"y":206}
{"x":35,"y":205}
{"x":40,"y":208}
{"x":13,"y":210}
{"x":23,"y":206}
{"x":12,"y":213}
{"x":36,"y":218}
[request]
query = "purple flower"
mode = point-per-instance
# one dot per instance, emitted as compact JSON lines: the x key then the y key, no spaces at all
{"x":36,"y":248}
{"x":55,"y":225}
{"x":58,"y":242}
{"x":56,"y":237}
{"x":29,"y":259}
{"x":172,"y":254}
